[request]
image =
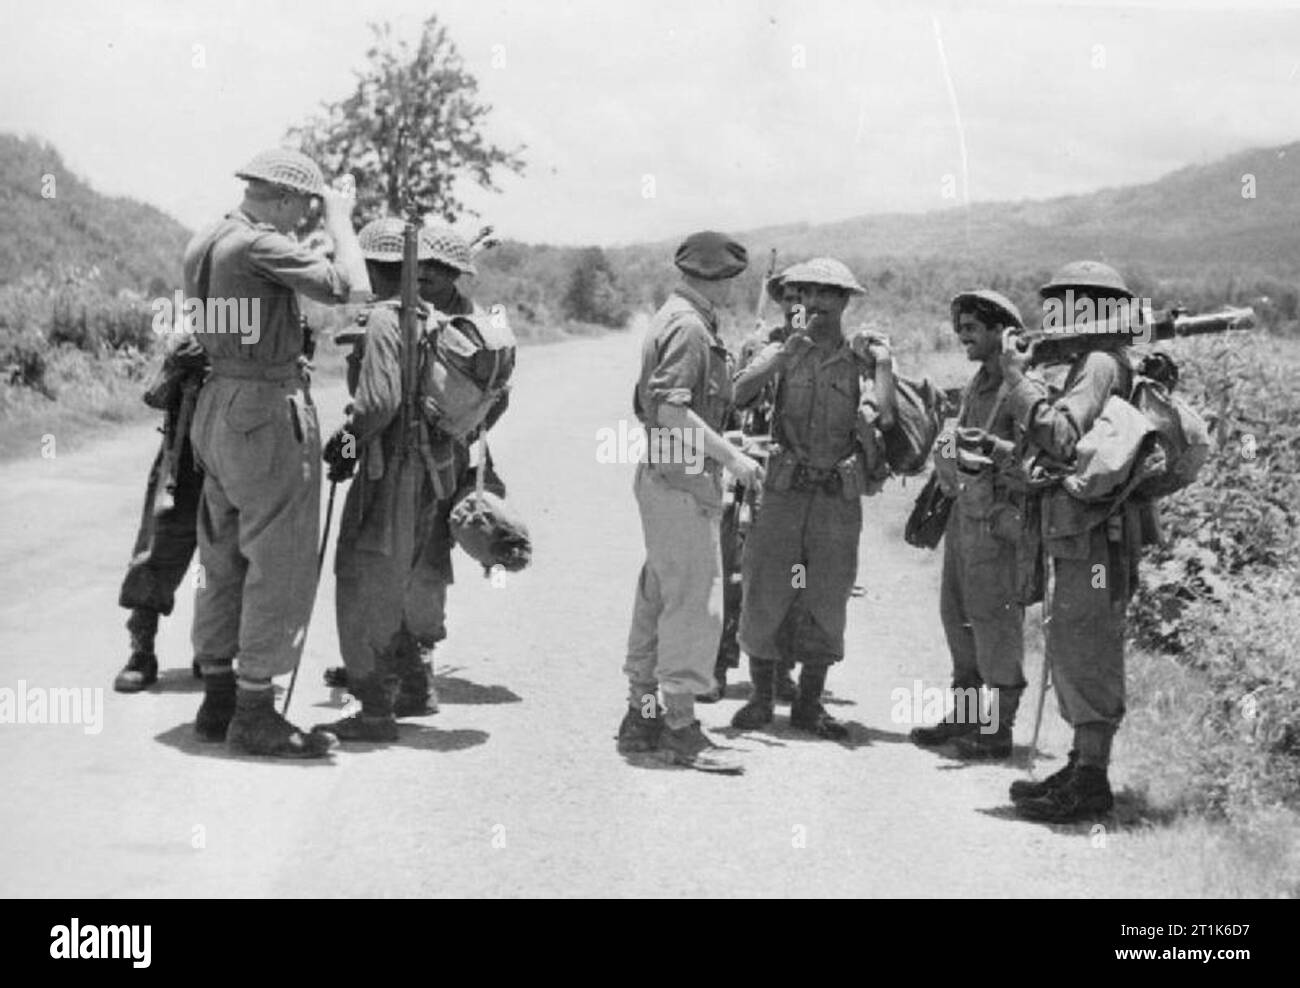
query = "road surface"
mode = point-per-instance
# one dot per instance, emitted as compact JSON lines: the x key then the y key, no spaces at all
{"x":514,"y":789}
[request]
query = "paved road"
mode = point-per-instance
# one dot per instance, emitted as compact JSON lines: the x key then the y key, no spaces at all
{"x":515,"y":787}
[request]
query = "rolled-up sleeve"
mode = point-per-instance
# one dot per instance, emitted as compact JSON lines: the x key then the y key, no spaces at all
{"x":284,"y":260}
{"x":682,"y":365}
{"x":1056,"y":426}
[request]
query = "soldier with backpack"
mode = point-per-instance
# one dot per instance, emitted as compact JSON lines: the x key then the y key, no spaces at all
{"x":1091,"y":547}
{"x":393,"y":561}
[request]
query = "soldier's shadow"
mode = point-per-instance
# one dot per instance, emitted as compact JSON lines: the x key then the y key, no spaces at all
{"x":453,"y":689}
{"x":423,"y":737}
{"x":1021,"y":760}
{"x":179,"y":679}
{"x":181,"y":737}
{"x":1130,"y":814}
{"x":780,"y":734}
{"x":744,"y":690}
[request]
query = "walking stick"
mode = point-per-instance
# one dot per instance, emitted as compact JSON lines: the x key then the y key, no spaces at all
{"x":320,"y":565}
{"x":1049,"y":592}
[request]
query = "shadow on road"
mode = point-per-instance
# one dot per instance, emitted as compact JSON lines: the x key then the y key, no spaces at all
{"x":177,"y":680}
{"x":453,"y":689}
{"x":181,"y":737}
{"x":779,"y":733}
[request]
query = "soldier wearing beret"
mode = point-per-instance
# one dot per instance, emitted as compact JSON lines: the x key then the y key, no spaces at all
{"x":801,"y":559}
{"x":256,"y":439}
{"x":682,"y":396}
{"x":983,"y":617}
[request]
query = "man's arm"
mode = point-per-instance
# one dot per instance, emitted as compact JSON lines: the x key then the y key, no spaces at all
{"x":378,"y":397}
{"x":1056,"y":425}
{"x":683,"y":361}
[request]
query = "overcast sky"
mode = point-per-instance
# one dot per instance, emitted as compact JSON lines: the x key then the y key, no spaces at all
{"x":745,"y":113}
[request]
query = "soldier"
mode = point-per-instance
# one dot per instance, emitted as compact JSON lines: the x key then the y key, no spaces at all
{"x":1091,"y":554}
{"x":256,"y":439}
{"x":755,"y":421}
{"x":682,"y":397}
{"x":166,"y":538}
{"x":393,"y":561}
{"x":800,"y":561}
{"x":982,"y":616}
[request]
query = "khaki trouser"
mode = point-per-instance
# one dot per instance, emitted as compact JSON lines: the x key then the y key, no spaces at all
{"x":1084,"y":625}
{"x":377,"y":594}
{"x":677,"y":615}
{"x":982,"y":620}
{"x":259,"y":444}
{"x":799,"y":564}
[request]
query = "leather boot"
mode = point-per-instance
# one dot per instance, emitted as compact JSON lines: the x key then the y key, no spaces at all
{"x":960,"y":720}
{"x":1029,"y":789}
{"x":141,"y":669}
{"x":374,"y":721}
{"x":644,"y":721}
{"x":1084,"y":795}
{"x":258,"y":729}
{"x":218,"y":705}
{"x":996,"y":744}
{"x":758,"y":712}
{"x":807,"y":712}
{"x":413,"y":666}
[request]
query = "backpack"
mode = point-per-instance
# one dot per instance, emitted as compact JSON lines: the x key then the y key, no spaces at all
{"x":1150,"y":444}
{"x":472,"y":360}
{"x":917,"y":420}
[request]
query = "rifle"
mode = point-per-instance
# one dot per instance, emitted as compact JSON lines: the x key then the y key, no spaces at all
{"x":762,"y":291}
{"x":176,"y":428}
{"x":409,"y":321}
{"x":1056,"y":347}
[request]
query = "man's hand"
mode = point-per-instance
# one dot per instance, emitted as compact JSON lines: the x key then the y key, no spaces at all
{"x":340,"y":455}
{"x":1013,"y":360}
{"x":338,"y":207}
{"x":747,"y":470}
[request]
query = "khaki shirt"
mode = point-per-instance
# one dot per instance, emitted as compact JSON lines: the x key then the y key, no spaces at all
{"x":261,"y":270}
{"x":683,"y":363}
{"x":819,"y":389}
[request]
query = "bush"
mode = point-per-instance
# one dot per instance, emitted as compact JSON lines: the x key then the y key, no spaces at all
{"x":1237,"y":522}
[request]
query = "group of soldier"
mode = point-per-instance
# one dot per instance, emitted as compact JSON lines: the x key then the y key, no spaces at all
{"x":247,"y":485}
{"x":247,"y":488}
{"x":820,"y":396}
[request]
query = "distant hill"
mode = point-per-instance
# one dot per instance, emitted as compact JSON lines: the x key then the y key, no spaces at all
{"x":1189,"y":236}
{"x":134,"y":245}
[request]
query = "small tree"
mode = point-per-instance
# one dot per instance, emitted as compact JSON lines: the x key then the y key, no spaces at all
{"x":592,"y":295}
{"x":412,"y":126}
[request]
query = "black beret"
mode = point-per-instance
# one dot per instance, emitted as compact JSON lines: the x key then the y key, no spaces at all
{"x":711,"y":256}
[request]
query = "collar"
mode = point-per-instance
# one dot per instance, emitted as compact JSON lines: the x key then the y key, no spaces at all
{"x":240,"y":216}
{"x":701,"y":305}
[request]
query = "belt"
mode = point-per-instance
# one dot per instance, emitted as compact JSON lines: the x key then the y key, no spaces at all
{"x":252,"y":370}
{"x":809,"y":478}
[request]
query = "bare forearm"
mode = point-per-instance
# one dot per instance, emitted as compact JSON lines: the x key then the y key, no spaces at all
{"x":696,"y":433}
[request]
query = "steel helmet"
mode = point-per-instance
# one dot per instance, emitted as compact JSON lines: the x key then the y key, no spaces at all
{"x":440,"y":243}
{"x":989,"y":298}
{"x":822,"y":271}
{"x":286,"y":169}
{"x":1092,"y":277}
